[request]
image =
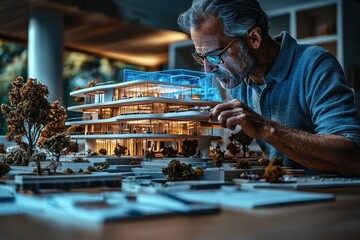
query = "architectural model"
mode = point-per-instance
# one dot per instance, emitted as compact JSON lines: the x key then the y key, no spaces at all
{"x":148,"y":110}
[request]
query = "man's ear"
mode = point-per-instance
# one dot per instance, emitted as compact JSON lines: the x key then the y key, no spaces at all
{"x":254,"y":37}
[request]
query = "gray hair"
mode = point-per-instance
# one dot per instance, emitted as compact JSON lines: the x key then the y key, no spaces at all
{"x":238,"y":16}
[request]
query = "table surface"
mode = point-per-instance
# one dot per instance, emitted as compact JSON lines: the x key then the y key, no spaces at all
{"x":339,"y":219}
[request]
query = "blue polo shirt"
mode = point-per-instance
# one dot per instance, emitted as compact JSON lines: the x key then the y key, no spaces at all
{"x":305,"y":89}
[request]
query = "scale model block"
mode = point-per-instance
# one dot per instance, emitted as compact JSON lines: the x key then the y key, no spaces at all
{"x":148,"y":110}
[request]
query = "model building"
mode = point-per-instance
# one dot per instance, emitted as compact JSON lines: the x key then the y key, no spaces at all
{"x":148,"y":110}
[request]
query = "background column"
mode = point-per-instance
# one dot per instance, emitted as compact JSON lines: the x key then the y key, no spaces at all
{"x":45,"y":46}
{"x":204,"y":147}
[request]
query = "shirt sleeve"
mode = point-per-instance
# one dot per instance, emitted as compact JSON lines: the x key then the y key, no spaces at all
{"x":330,"y":100}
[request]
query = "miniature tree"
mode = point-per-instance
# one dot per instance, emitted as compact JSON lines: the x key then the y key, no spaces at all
{"x":54,"y":137}
{"x":189,"y":147}
{"x":57,"y":124}
{"x":233,"y":149}
{"x":120,"y":150}
{"x":38,"y":157}
{"x":72,"y":148}
{"x":241,"y":138}
{"x":28,"y":113}
{"x":57,"y":144}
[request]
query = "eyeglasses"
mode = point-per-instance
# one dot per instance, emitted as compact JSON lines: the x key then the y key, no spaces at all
{"x":211,"y":57}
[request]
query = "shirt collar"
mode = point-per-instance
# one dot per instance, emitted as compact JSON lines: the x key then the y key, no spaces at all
{"x":283,"y":61}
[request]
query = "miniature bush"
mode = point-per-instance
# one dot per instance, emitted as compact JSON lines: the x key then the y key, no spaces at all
{"x":80,"y":160}
{"x":102,"y":151}
{"x":149,"y":154}
{"x":120,"y":150}
{"x":91,"y":169}
{"x":80,"y":100}
{"x":218,"y":157}
{"x":90,"y":84}
{"x":188,"y":147}
{"x":69,"y":170}
{"x":177,"y":171}
{"x":275,"y":171}
{"x":135,"y":162}
{"x":16,"y":156}
{"x":4,"y":169}
{"x":2,"y":149}
{"x":170,"y":152}
{"x":264,"y":161}
{"x":104,"y":165}
{"x":242,"y":164}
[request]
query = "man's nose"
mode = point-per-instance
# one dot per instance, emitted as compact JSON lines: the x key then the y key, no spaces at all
{"x":208,"y":67}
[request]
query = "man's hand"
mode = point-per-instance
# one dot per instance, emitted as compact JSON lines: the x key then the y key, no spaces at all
{"x":324,"y":153}
{"x":233,"y":113}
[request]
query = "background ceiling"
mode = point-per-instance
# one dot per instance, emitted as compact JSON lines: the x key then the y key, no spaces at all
{"x":135,"y":31}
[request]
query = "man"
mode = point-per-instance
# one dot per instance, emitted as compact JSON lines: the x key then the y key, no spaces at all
{"x":292,"y":98}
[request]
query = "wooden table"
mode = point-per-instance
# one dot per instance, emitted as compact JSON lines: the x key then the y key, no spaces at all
{"x":339,"y":219}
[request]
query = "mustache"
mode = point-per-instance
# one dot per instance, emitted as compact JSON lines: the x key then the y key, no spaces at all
{"x":220,"y":74}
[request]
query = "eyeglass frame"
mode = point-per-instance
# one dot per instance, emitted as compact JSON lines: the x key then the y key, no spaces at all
{"x":201,"y":58}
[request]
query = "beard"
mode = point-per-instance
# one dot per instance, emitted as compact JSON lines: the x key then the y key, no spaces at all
{"x":236,"y":72}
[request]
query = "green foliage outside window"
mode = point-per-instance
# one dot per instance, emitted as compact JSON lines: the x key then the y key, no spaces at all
{"x":78,"y":70}
{"x":13,"y":62}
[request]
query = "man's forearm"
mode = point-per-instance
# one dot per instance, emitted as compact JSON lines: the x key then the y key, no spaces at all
{"x":324,"y":153}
